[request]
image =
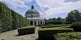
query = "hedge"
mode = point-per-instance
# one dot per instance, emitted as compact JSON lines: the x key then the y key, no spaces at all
{"x":50,"y":26}
{"x":47,"y":33}
{"x":76,"y":26}
{"x":10,"y":19}
{"x":5,"y":17}
{"x":26,"y":30}
{"x":60,"y":25}
{"x":68,"y":36}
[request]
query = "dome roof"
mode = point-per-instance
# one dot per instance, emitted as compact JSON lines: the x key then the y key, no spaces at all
{"x":32,"y":11}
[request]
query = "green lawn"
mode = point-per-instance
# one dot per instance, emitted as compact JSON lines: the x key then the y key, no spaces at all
{"x":27,"y":27}
{"x":56,"y":28}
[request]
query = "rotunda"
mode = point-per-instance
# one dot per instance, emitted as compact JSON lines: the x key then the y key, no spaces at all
{"x":33,"y":17}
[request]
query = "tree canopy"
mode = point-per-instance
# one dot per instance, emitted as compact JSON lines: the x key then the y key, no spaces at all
{"x":73,"y":16}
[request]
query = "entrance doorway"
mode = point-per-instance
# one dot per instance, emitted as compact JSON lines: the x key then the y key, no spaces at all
{"x":31,"y":22}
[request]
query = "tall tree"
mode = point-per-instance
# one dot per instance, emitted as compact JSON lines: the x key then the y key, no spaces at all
{"x":73,"y":16}
{"x":59,"y":19}
{"x":77,"y":15}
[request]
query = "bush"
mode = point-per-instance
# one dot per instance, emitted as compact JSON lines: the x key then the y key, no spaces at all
{"x":9,"y":19}
{"x":51,"y":26}
{"x":68,"y":36}
{"x":61,"y":25}
{"x":76,"y":26}
{"x":47,"y":33}
{"x":26,"y":30}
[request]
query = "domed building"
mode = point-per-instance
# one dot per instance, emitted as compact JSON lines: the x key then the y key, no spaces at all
{"x":33,"y":17}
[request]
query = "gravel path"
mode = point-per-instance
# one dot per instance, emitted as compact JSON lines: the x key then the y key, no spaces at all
{"x":11,"y":35}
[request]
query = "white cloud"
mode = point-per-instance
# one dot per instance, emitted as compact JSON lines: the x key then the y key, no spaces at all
{"x":27,"y":1}
{"x":0,"y":0}
{"x":49,"y":7}
{"x":71,"y":0}
{"x":17,"y":5}
{"x":57,"y":6}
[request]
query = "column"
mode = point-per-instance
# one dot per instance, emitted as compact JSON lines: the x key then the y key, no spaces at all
{"x":29,"y":22}
{"x":42,"y":22}
{"x":33,"y":23}
{"x":37,"y":23}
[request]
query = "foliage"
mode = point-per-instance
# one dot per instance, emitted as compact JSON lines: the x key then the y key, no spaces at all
{"x":27,"y":27}
{"x":5,"y":18}
{"x":10,"y":19}
{"x":48,"y":33}
{"x":68,"y":36}
{"x":58,"y":20}
{"x":76,"y":26}
{"x":73,"y":16}
{"x":18,"y":20}
{"x":58,"y":25}
{"x":56,"y":28}
{"x":26,"y":30}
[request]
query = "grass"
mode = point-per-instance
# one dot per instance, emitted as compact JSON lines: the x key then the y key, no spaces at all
{"x":56,"y":28}
{"x":58,"y":25}
{"x":27,"y":27}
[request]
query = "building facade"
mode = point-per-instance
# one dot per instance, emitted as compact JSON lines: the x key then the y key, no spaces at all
{"x":33,"y":17}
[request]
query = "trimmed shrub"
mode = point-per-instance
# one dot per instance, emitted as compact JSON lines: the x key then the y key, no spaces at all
{"x":68,"y":36}
{"x":26,"y":30}
{"x":47,"y":33}
{"x":50,"y":26}
{"x":61,"y":25}
{"x":76,"y":26}
{"x":9,"y":19}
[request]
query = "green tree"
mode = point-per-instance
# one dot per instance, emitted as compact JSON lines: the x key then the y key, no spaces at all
{"x":77,"y":15}
{"x":73,"y":16}
{"x":59,"y":19}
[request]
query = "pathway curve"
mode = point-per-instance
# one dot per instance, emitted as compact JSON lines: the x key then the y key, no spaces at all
{"x":11,"y":35}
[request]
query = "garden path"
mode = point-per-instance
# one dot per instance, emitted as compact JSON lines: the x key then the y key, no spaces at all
{"x":12,"y":35}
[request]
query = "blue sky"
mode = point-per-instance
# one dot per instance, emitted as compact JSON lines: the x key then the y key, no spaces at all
{"x":46,"y":8}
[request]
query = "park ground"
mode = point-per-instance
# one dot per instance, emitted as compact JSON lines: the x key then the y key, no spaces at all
{"x":12,"y":35}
